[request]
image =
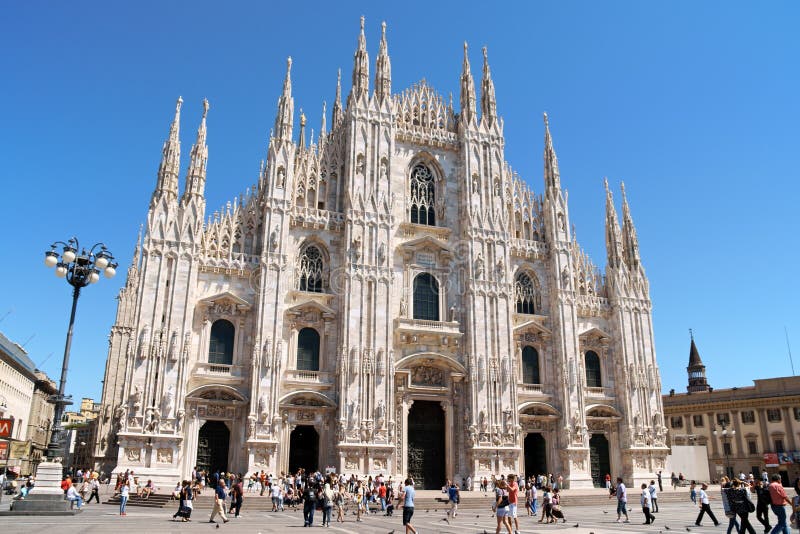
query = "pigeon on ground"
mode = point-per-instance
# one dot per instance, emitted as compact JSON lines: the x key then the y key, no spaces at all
{"x":666,"y":527}
{"x":577,"y":525}
{"x":446,"y":520}
{"x":688,"y":529}
{"x":217,"y":526}
{"x":605,"y":511}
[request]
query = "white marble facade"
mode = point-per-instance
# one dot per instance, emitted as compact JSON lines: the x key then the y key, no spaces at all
{"x":332,"y":238}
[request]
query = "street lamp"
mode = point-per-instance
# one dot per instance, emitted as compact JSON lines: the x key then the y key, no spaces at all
{"x":726,"y":438}
{"x":79,"y":269}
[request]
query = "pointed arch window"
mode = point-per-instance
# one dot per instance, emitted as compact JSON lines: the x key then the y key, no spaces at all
{"x":525,"y":294}
{"x":426,"y":297}
{"x":423,"y":195}
{"x":308,"y":350}
{"x":311,"y":270}
{"x":220,"y":345}
{"x":593,"y":375}
{"x":530,"y":366}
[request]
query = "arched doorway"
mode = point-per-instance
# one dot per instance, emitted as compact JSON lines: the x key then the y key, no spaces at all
{"x":304,"y":449}
{"x":535,"y":454}
{"x":426,"y":444}
{"x":599,"y":459}
{"x":212,"y":446}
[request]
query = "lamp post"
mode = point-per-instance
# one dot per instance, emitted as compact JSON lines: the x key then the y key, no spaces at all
{"x":79,"y":269}
{"x":726,"y":438}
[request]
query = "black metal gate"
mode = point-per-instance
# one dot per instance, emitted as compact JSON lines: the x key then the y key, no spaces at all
{"x":426,"y":454}
{"x":212,"y":446}
{"x":535,"y":455}
{"x":599,"y":459}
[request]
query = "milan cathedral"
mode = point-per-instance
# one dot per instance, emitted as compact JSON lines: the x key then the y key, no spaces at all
{"x":388,"y":298}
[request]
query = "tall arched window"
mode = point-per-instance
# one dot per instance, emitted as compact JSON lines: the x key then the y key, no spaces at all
{"x":308,"y":350}
{"x":426,"y":297}
{"x":525,"y":294}
{"x":220,"y":345}
{"x":310,"y":270}
{"x":530,"y":366}
{"x":593,"y":377}
{"x":423,"y":195}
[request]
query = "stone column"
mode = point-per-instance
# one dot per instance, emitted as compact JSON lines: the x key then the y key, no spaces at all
{"x":736,"y":420}
{"x":788,"y":422}
{"x":447,"y":407}
{"x":762,"y":425}
{"x":714,"y":439}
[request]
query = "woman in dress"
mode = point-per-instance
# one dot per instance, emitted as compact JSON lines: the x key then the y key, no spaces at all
{"x":501,"y":506}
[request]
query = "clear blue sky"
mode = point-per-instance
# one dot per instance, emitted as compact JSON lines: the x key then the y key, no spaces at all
{"x":693,"y":104}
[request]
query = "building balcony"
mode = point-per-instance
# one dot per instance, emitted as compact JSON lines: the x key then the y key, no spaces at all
{"x":309,"y":379}
{"x":421,"y":331}
{"x":532,"y":390}
{"x":220,"y":372}
{"x":602,"y":393}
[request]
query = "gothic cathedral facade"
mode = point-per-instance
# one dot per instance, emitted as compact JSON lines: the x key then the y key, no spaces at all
{"x":388,"y":298}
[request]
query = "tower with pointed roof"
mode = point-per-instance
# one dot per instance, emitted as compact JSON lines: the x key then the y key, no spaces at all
{"x":388,"y":298}
{"x":696,"y":370}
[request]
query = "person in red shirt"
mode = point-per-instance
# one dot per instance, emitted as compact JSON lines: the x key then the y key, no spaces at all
{"x":778,"y":498}
{"x":66,"y":484}
{"x":513,"y":492}
{"x":382,"y":496}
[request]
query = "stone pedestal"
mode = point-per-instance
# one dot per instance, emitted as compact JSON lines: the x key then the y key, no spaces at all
{"x":47,"y":497}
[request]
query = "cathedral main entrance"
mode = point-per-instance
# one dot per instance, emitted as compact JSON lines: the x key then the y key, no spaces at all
{"x":212,"y":446}
{"x":304,"y":449}
{"x":599,"y":459}
{"x":426,"y":445}
{"x":535,"y":454}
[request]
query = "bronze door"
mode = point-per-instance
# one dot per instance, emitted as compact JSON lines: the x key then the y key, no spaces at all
{"x":212,"y":447}
{"x":426,"y":454}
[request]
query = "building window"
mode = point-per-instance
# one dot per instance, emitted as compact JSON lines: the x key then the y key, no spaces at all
{"x":726,"y":448}
{"x":778,"y":445}
{"x":220,"y":345}
{"x":525,"y":294}
{"x":773,"y":415}
{"x":593,"y":376}
{"x":723,"y":418}
{"x":423,"y":195}
{"x":697,"y":420}
{"x":676,"y":422}
{"x":426,"y":297}
{"x":530,"y":366}
{"x":752,"y":447}
{"x":310,"y":270}
{"x":308,"y":350}
{"x":797,"y":414}
{"x":748,"y":417}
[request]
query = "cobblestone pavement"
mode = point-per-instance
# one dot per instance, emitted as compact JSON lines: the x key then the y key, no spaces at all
{"x":673,"y":518}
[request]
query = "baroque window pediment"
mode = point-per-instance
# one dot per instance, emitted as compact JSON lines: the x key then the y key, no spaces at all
{"x":426,"y":244}
{"x":225,"y":303}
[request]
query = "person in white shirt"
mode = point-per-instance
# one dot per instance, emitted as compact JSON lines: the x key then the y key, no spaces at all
{"x":646,"y":502}
{"x":74,"y":497}
{"x":653,"y":496}
{"x":704,"y":507}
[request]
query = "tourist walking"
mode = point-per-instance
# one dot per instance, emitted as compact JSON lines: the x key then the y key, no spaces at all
{"x":621,"y":493}
{"x":704,"y":507}
{"x":501,"y":506}
{"x":338,"y":500}
{"x":674,"y":480}
{"x":725,"y":488}
{"x":94,"y":485}
{"x":237,"y":495}
{"x":693,"y":492}
{"x":530,"y":499}
{"x":453,"y":498}
{"x":653,"y":496}
{"x":327,"y":504}
{"x":513,"y":499}
{"x":778,"y":500}
{"x":407,"y":496}
{"x":660,"y":487}
{"x":547,"y":505}
{"x":219,"y":502}
{"x":763,"y":501}
{"x":556,"y":509}
{"x":309,"y":503}
{"x":739,"y":501}
{"x":647,"y":504}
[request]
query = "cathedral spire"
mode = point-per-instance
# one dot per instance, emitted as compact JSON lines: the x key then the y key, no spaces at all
{"x":468,"y":100}
{"x":488,"y":101}
{"x":196,"y":176}
{"x":360,"y":68}
{"x":337,"y":102}
{"x":169,"y":168}
{"x":629,"y":233}
{"x":696,"y":370}
{"x":613,"y":232}
{"x":323,"y":129}
{"x":552,"y":177}
{"x":301,"y":139}
{"x":383,"y":69}
{"x":285,"y":118}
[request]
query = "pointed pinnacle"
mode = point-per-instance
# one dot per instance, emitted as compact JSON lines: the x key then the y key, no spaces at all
{"x":486,"y":62}
{"x":178,"y":105}
{"x":546,"y":122}
{"x":302,"y":118}
{"x":205,"y":108}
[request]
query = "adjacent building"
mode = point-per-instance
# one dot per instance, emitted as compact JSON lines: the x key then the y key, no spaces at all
{"x":389,"y":297}
{"x":745,"y":429}
{"x":24,"y":391}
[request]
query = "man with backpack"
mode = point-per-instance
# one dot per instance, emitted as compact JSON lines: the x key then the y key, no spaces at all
{"x":237,"y":496}
{"x":453,"y":495}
